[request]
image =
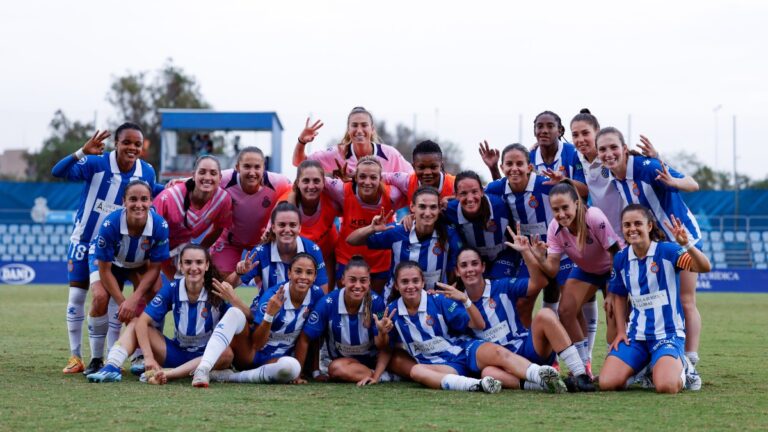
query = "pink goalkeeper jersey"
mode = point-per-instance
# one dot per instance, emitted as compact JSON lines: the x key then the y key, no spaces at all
{"x":594,"y":258}
{"x":250,"y":212}
{"x":217,"y":212}
{"x":391,"y":159}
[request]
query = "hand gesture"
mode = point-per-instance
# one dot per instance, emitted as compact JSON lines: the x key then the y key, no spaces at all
{"x":555,"y":177}
{"x":450,"y":291}
{"x":248,"y":264}
{"x":95,"y":145}
{"x":310,"y":131}
{"x":519,"y":242}
{"x":646,"y":148}
{"x":276,"y":302}
{"x":678,"y":230}
{"x":619,"y":339}
{"x":665,"y":177}
{"x":385,"y":323}
{"x":379,"y":222}
{"x":539,"y":248}
{"x":367,"y":381}
{"x":489,"y":155}
{"x":127,"y":310}
{"x":223,"y":290}
{"x":341,"y":172}
{"x":173,"y":182}
{"x":407,"y":222}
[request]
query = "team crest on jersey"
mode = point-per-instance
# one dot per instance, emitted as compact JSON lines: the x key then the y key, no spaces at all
{"x":101,"y":242}
{"x":491,"y":226}
{"x":313,"y":318}
{"x":157,"y":301}
{"x":533,"y":202}
{"x":266,"y":203}
{"x":635,"y":189}
{"x":82,"y":161}
{"x":654,"y":267}
{"x":437,"y":250}
{"x":430,"y":321}
{"x":492,"y":303}
{"x":70,"y":266}
{"x":562,"y":168}
{"x":306,"y":313}
{"x":589,"y":240}
{"x":263,"y":308}
{"x":145,"y":245}
{"x":604,"y":172}
{"x":204,"y":312}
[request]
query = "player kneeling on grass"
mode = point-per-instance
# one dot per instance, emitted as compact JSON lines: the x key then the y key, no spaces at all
{"x":648,"y":272}
{"x":345,"y":316}
{"x":262,"y":351}
{"x":432,"y":326}
{"x":496,"y":301}
{"x":196,"y":311}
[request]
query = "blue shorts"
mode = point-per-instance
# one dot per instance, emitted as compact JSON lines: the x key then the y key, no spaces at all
{"x":77,"y":262}
{"x":263,"y":357}
{"x":640,"y":353}
{"x":528,"y":351}
{"x":120,"y":273}
{"x":470,"y":351}
{"x":176,"y":356}
{"x":562,"y":275}
{"x":504,"y":266}
{"x":598,"y":280}
{"x":385,"y":275}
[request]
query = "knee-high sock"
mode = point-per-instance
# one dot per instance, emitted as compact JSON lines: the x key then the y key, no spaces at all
{"x":75,"y":318}
{"x":232,"y":323}
{"x":113,"y":334}
{"x":284,"y":370}
{"x":570,"y":356}
{"x":97,"y":333}
{"x":589,"y":309}
{"x":117,"y":356}
{"x":459,"y":383}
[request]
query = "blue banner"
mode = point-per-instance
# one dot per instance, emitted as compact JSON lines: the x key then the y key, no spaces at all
{"x":33,"y":272}
{"x":736,"y":280}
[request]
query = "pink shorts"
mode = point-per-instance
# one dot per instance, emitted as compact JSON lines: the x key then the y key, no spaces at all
{"x":225,"y":256}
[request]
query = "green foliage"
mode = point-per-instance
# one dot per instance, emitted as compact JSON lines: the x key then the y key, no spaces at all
{"x":66,"y":137}
{"x":36,"y":396}
{"x":404,"y":139}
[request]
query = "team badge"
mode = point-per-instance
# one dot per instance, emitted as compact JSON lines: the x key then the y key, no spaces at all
{"x":263,"y":308}
{"x":562,"y":168}
{"x":533,"y":202}
{"x":101,"y":242}
{"x":70,"y":266}
{"x":204,"y":312}
{"x":430,"y":321}
{"x":589,"y":240}
{"x":604,"y":172}
{"x":491,"y":226}
{"x":157,"y":301}
{"x":437,"y":250}
{"x":145,"y":244}
{"x":492,"y":303}
{"x":266,"y":203}
{"x":654,"y":267}
{"x":635,"y":189}
{"x":313,"y":318}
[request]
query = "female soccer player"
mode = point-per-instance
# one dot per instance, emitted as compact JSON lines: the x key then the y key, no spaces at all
{"x":345,"y":317}
{"x":496,"y":300}
{"x":196,"y":310}
{"x":105,"y":177}
{"x":428,"y":171}
{"x":481,"y":221}
{"x":263,"y":350}
{"x":551,"y":156}
{"x":586,"y":236}
{"x":648,"y":272}
{"x":268,"y":263}
{"x":192,"y":207}
{"x":651,"y":183}
{"x":254,"y":192}
{"x":430,"y":242}
{"x":317,"y":211}
{"x":362,"y":199}
{"x":430,"y":327}
{"x":130,"y":246}
{"x":359,"y":140}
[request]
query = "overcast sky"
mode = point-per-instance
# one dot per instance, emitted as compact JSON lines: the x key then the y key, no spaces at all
{"x":462,"y":71}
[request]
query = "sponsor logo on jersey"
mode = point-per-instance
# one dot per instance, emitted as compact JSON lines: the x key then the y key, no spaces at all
{"x":101,"y":242}
{"x":157,"y":301}
{"x":314,"y":318}
{"x":266,"y":203}
{"x":17,"y":274}
{"x":589,"y":240}
{"x":604,"y":172}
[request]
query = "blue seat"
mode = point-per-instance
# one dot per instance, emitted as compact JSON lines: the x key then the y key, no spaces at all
{"x":3,"y":228}
{"x":716,"y":236}
{"x":24,"y":229}
{"x":30,"y":239}
{"x":13,"y":229}
{"x":728,"y":236}
{"x":37,"y":229}
{"x":61,"y":229}
{"x":741,"y":236}
{"x":754,"y":236}
{"x":48,"y":229}
{"x":759,"y":257}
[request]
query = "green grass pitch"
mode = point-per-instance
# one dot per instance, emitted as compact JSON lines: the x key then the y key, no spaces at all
{"x":34,"y":395}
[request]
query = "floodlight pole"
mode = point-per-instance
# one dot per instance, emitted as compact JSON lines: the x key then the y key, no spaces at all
{"x":735,"y":180}
{"x":715,"y":111}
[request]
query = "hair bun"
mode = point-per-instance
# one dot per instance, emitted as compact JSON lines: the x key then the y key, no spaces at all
{"x":584,"y":111}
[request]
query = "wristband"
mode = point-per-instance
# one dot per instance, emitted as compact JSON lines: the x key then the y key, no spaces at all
{"x":467,"y":303}
{"x":689,"y":246}
{"x":302,"y":142}
{"x":79,"y":154}
{"x":268,"y":318}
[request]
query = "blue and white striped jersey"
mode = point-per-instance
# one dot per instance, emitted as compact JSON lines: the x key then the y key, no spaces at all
{"x":435,"y":260}
{"x":193,"y":322}
{"x":499,"y":311}
{"x":566,"y":161}
{"x":653,"y":286}
{"x":531,"y":208}
{"x":272,"y":270}
{"x":433,"y":334}
{"x":114,"y":244}
{"x":103,"y":191}
{"x":641,"y":187}
{"x":287,"y":324}
{"x":486,"y":236}
{"x":346,"y":334}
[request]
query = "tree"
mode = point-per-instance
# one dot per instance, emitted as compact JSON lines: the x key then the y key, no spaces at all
{"x":139,"y":97}
{"x":66,"y":137}
{"x":404,"y":139}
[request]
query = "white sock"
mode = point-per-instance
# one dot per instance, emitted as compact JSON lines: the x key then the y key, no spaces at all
{"x":285,"y":370}
{"x":582,"y":348}
{"x":459,"y":383}
{"x":113,"y":334}
{"x":532,"y":375}
{"x":589,"y":310}
{"x":570,"y":356}
{"x":232,"y":323}
{"x":75,"y":318}
{"x":554,"y":306}
{"x":117,"y":356}
{"x":531,"y":386}
{"x":97,"y":332}
{"x":693,"y":357}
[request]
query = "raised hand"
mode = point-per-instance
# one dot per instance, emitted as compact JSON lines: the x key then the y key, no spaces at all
{"x":665,"y":177}
{"x":646,"y":148}
{"x":95,"y":145}
{"x":539,"y":248}
{"x":519,"y":242}
{"x":555,"y":177}
{"x":678,"y":230}
{"x":379,"y":222}
{"x":385,"y":323}
{"x":341,"y":172}
{"x":223,"y":290}
{"x":489,"y":155}
{"x":450,"y":291}
{"x":407,"y":222}
{"x":310,"y":131}
{"x":276,"y":302}
{"x":248,"y":264}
